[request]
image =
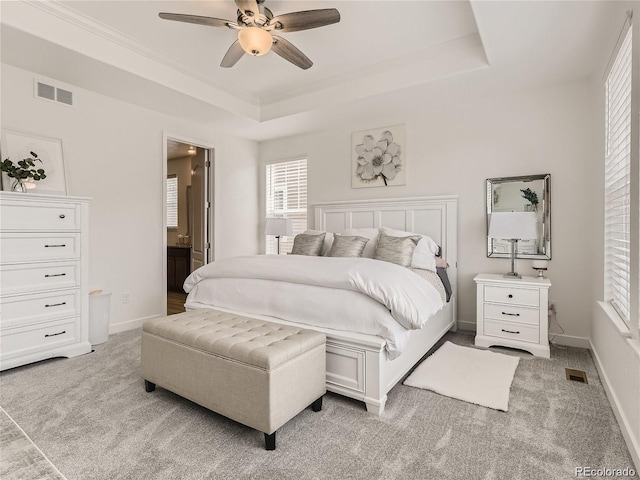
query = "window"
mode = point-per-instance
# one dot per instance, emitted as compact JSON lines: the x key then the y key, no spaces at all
{"x":286,"y":185}
{"x":618,"y":182}
{"x":172,"y":201}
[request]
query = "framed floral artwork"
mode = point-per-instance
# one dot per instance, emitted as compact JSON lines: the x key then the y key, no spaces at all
{"x":378,"y":157}
{"x":18,"y":145}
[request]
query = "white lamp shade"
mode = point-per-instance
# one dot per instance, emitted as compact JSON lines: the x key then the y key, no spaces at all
{"x":278,"y":226}
{"x":520,"y":225}
{"x":255,"y":41}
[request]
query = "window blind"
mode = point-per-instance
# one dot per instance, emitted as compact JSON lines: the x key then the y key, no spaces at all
{"x":286,"y":187}
{"x":172,"y":201}
{"x":618,"y":181}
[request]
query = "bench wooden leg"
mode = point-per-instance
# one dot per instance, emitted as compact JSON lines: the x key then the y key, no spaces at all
{"x":149,"y":386}
{"x":270,"y":441}
{"x":316,"y":406}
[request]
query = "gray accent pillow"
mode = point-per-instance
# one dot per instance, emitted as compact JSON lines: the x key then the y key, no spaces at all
{"x":305,"y":244}
{"x":398,"y":250}
{"x":347,"y":246}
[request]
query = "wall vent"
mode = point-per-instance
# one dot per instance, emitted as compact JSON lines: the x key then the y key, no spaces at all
{"x":576,"y":375}
{"x":64,"y":96}
{"x":55,"y":94}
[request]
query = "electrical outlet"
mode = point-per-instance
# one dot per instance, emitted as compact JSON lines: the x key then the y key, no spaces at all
{"x":126,"y":297}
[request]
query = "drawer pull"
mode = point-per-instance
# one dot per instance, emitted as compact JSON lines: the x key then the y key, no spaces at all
{"x":49,"y":275}
{"x":510,"y":331}
{"x":54,"y":246}
{"x":55,"y":304}
{"x":55,"y":334}
{"x":62,"y":215}
{"x":510,"y":295}
{"x":511,"y":314}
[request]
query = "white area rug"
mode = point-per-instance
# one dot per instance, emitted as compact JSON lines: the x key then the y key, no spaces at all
{"x":476,"y":376}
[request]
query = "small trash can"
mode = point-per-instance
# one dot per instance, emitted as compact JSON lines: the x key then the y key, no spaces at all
{"x":99,"y":303}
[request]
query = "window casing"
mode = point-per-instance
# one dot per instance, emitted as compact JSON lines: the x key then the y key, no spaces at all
{"x":286,"y":189}
{"x":617,"y":202}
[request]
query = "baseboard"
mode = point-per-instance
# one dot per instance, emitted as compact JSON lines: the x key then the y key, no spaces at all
{"x":632,"y":443}
{"x":570,"y":341}
{"x":467,"y":326}
{"x":130,"y":324}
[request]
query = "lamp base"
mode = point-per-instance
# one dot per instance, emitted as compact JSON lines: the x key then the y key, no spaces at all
{"x":540,"y":271}
{"x":512,"y":275}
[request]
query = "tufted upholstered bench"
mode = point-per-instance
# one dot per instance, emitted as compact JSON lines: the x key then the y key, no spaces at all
{"x":258,"y":373}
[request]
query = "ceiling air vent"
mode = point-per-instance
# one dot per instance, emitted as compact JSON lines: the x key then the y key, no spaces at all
{"x":49,"y":92}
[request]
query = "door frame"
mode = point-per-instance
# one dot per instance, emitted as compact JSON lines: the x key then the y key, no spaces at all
{"x":211,"y":148}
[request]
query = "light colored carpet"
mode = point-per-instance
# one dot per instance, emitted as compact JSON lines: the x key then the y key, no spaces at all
{"x":92,"y":418}
{"x":469,"y":374}
{"x":20,"y":458}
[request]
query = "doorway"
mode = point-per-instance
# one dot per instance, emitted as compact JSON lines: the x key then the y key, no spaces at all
{"x":188,"y":215}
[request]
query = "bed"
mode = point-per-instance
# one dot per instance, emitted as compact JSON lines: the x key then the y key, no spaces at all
{"x":359,"y":365}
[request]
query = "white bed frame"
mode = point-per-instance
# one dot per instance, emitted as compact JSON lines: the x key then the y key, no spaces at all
{"x":357,"y":364}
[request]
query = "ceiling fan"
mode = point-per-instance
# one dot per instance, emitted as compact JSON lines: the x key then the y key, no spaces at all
{"x":256,"y":24}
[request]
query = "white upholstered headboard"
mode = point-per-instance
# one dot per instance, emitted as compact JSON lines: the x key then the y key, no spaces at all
{"x":436,"y":217}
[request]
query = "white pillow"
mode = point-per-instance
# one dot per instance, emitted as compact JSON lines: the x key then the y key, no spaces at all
{"x":328,"y":240}
{"x":371,"y":234}
{"x":424,"y":255}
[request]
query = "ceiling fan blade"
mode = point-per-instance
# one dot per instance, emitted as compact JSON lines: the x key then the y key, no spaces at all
{"x":290,"y":53}
{"x":210,"y":21}
{"x":249,"y":7}
{"x":232,"y":56}
{"x":293,"y":22}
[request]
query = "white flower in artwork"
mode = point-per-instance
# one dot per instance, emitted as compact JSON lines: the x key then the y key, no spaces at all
{"x":378,"y":159}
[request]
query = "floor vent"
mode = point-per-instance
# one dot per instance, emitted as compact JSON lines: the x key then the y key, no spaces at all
{"x":49,"y":92}
{"x":576,"y":375}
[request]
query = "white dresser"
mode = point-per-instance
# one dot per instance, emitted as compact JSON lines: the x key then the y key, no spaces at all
{"x":513,"y":313}
{"x":44,"y":242}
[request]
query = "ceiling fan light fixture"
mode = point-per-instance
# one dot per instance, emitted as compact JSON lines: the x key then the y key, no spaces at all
{"x":255,"y":41}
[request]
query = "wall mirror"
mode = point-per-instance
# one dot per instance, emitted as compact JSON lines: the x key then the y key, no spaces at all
{"x":521,"y":194}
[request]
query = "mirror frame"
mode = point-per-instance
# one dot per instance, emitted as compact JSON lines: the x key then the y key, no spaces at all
{"x":544,"y":207}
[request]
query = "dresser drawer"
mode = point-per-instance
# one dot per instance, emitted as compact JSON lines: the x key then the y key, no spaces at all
{"x":29,"y":247}
{"x":511,"y":313}
{"x":23,"y":341}
{"x":24,"y":309}
{"x":514,"y":296}
{"x":512,"y":331}
{"x":22,"y":215}
{"x":35,"y":277}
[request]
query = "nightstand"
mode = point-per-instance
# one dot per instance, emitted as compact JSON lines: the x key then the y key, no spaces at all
{"x":513,"y":313}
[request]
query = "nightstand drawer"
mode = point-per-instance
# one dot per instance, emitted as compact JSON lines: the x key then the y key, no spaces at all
{"x":513,"y":331}
{"x":510,"y":313}
{"x":514,"y":296}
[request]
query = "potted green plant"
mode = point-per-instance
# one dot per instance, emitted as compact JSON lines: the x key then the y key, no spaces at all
{"x":20,"y":172}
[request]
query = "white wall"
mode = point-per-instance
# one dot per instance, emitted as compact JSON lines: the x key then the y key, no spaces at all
{"x":113,"y":152}
{"x":453,"y":151}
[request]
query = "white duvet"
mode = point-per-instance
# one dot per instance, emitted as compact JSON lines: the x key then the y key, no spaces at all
{"x":352,"y":294}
